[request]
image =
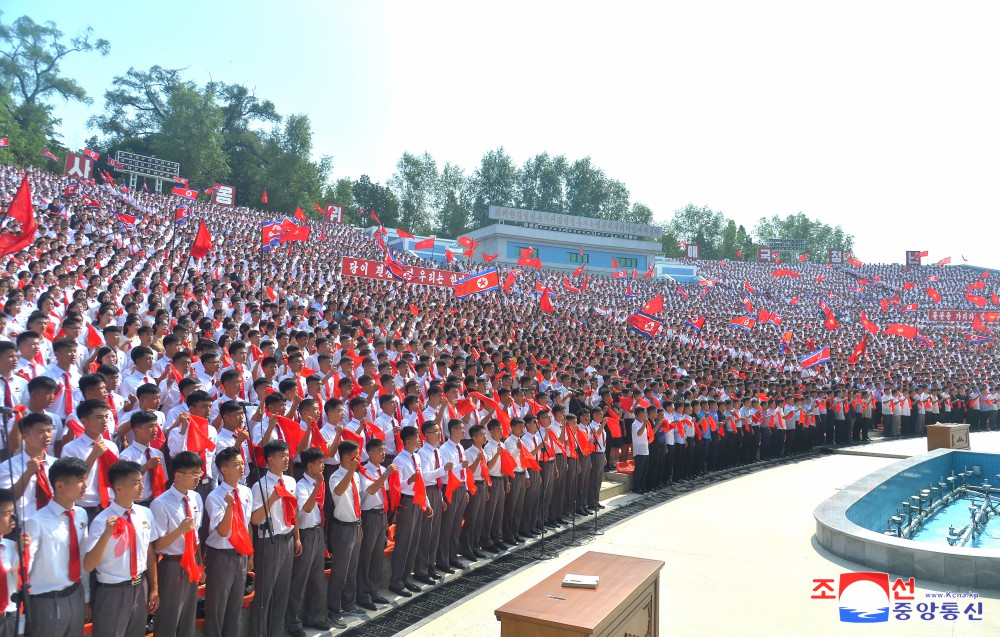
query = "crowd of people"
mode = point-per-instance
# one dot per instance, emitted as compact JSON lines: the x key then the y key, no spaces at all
{"x":175,"y":422}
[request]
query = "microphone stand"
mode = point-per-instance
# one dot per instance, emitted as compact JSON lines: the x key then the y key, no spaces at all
{"x":22,"y":591}
{"x":543,"y":554}
{"x":268,"y":526}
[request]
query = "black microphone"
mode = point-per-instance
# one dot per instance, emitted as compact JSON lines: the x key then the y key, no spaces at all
{"x":7,"y":410}
{"x":243,"y":403}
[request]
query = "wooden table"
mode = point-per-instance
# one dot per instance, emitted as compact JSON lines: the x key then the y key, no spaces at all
{"x":624,"y":604}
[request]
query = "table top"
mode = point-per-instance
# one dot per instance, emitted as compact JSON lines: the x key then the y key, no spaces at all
{"x":582,"y":609}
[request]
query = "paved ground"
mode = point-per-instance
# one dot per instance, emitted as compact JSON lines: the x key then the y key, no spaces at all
{"x":740,"y":559}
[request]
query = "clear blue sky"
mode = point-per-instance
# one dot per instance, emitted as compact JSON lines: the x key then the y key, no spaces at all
{"x":881,"y":117}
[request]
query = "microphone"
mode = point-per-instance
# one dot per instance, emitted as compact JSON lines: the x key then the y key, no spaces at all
{"x":7,"y":410}
{"x":243,"y":403}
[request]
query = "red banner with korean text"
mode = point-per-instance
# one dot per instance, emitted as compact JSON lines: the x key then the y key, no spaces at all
{"x":365,"y":269}
{"x":961,"y":316}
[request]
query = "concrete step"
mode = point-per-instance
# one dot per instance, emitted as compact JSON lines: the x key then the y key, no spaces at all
{"x":615,"y":484}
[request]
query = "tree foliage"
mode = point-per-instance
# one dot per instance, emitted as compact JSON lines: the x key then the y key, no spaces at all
{"x":31,"y":56}
{"x":819,"y":237}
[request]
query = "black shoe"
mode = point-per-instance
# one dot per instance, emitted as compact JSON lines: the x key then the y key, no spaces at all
{"x":445,"y":569}
{"x":368,"y":606}
{"x":321,"y":624}
{"x":502,"y":546}
{"x":356,"y":612}
{"x":435,"y":576}
{"x":562,"y":521}
{"x":337,"y":622}
{"x":413,"y":588}
{"x":402,"y":592}
{"x":297,"y":633}
{"x":492,"y":550}
{"x":457,"y":565}
{"x":582,"y":512}
{"x":551,"y":526}
{"x":424,"y":579}
{"x":380,"y":600}
{"x":471,"y":558}
{"x":479,"y":556}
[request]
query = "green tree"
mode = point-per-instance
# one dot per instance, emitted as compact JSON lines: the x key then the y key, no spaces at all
{"x":31,"y":56}
{"x":370,"y":195}
{"x":819,"y":237}
{"x":191,"y":134}
{"x":541,"y":183}
{"x":700,"y":225}
{"x":415,"y":185}
{"x":640,"y":213}
{"x":341,"y":192}
{"x":728,"y":247}
{"x":586,"y":192}
{"x":298,"y":180}
{"x":243,"y":113}
{"x":494,"y":183}
{"x":454,"y":213}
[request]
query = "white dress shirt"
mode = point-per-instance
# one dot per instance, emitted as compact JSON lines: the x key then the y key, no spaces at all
{"x":111,"y":569}
{"x":370,"y":501}
{"x":277,"y":511}
{"x":304,"y":489}
{"x":137,"y":453}
{"x":169,"y":511}
{"x":80,"y":448}
{"x":10,"y":472}
{"x":49,"y":554}
{"x":215,"y":509}
{"x":343,"y":505}
{"x":407,"y":464}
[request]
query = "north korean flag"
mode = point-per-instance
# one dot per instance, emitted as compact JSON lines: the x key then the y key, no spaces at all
{"x":91,"y":154}
{"x":696,"y":323}
{"x":681,"y":292}
{"x":822,"y":355}
{"x":181,"y":214}
{"x":923,"y":340}
{"x":477,"y":283}
{"x":128,"y":220}
{"x":270,"y":234}
{"x":644,"y":324}
{"x":973,"y":339}
{"x":93,"y":204}
{"x":115,"y":164}
{"x":911,"y":307}
{"x":185,"y":193}
{"x":180,"y":180}
{"x":786,"y":340}
{"x":4,"y":142}
{"x":743,"y":323}
{"x":774,"y":319}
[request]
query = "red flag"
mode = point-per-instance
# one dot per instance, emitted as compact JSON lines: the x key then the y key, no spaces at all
{"x":649,"y":273}
{"x":944,"y":261}
{"x":921,"y":255}
{"x":545,"y":303}
{"x":578,"y":271}
{"x":785,"y":272}
{"x":763,"y":316}
{"x":994,"y":299}
{"x":263,"y":198}
{"x":292,"y":432}
{"x":654,"y":305}
{"x":803,"y":257}
{"x":978,"y":301}
{"x":490,"y":257}
{"x":749,"y":289}
{"x":509,"y":281}
{"x":507,"y":463}
{"x":530,"y":262}
{"x":403,"y":234}
{"x":978,"y":325}
{"x":467,"y":243}
{"x":300,"y":215}
{"x":20,"y":210}
{"x":614,"y":425}
{"x":934,"y":295}
{"x":898,"y":329}
{"x":868,"y":325}
{"x":794,"y":300}
{"x":94,"y":338}
{"x":426,"y":244}
{"x":859,"y":350}
{"x":449,"y":256}
{"x":414,"y":310}
{"x":202,"y":242}
{"x":527,"y":460}
{"x":104,"y":462}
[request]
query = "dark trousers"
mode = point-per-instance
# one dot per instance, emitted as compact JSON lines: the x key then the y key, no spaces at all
{"x":407,"y":539}
{"x":570,"y":486}
{"x":430,"y":535}
{"x":583,"y":482}
{"x":119,"y":611}
{"x":558,"y":489}
{"x":178,"y":599}
{"x":639,"y":475}
{"x":272,"y":565}
{"x":548,"y":488}
{"x":225,"y":584}
{"x":57,"y":616}
{"x":451,"y":526}
{"x":374,"y":527}
{"x":345,"y":549}
{"x":514,"y":508}
{"x":472,"y":521}
{"x":532,"y":509}
{"x":596,"y":476}
{"x":668,"y":465}
{"x":493,"y":514}
{"x":307,"y":598}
